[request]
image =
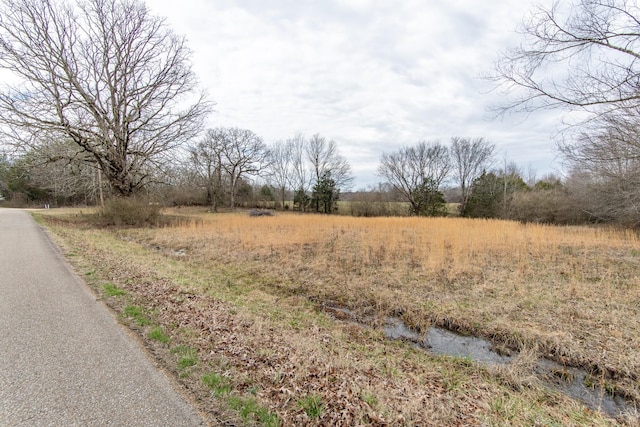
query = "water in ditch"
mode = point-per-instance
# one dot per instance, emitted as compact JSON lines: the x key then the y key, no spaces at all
{"x":568,"y":380}
{"x":443,"y":342}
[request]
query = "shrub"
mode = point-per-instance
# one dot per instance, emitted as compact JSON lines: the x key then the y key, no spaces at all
{"x":129,"y":212}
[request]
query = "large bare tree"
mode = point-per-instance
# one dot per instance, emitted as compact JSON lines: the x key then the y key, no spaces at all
{"x":205,"y":158}
{"x":585,"y":56}
{"x":581,"y":54}
{"x":299,"y":176}
{"x":470,"y":157}
{"x":243,"y":154}
{"x":414,"y":170}
{"x":327,"y":165}
{"x":281,"y":166}
{"x":105,"y":74}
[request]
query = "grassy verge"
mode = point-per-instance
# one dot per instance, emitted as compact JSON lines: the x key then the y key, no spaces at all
{"x":240,"y":306}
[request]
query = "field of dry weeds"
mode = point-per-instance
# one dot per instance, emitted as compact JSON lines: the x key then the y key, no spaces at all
{"x":250,"y":296}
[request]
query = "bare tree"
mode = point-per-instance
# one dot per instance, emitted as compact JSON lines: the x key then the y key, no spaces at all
{"x":105,"y":74}
{"x":412,"y":170}
{"x":470,"y":158}
{"x":578,"y":55}
{"x":66,"y":172}
{"x":243,"y":153}
{"x":299,"y":178}
{"x":585,"y":56}
{"x":206,"y":159}
{"x":608,"y":147}
{"x":281,"y":154}
{"x":608,"y":150}
{"x":5,"y":164}
{"x":326,"y":161}
{"x":324,"y":158}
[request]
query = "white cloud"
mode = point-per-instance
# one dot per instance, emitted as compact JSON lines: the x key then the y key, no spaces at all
{"x":372,"y":74}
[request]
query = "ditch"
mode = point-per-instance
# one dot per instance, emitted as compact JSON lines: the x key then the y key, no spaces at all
{"x":573,"y":382}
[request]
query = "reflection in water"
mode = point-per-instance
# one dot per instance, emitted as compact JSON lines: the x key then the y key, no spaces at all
{"x":568,"y":380}
{"x":443,"y":342}
{"x":573,"y":382}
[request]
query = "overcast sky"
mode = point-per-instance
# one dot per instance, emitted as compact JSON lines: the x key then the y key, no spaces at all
{"x":374,"y":75}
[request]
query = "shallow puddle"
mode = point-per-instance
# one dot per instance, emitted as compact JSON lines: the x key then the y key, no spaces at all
{"x":567,"y":380}
{"x":573,"y":382}
{"x":443,"y":342}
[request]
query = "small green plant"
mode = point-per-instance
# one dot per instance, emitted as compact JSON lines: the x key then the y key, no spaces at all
{"x":369,"y":398}
{"x":312,"y":405}
{"x":187,"y":357}
{"x":186,"y":362}
{"x":158,"y":334}
{"x":295,"y":324}
{"x":217,"y":383}
{"x":137,"y":314}
{"x":249,"y":409}
{"x":132,"y":311}
{"x":113,"y":291}
{"x":182,"y":349}
{"x":464,"y":361}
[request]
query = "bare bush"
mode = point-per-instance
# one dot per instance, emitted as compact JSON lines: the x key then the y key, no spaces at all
{"x":128,"y":212}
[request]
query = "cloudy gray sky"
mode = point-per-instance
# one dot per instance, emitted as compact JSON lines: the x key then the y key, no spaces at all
{"x":374,"y":75}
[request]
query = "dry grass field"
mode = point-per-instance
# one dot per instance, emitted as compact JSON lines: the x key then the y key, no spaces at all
{"x":250,"y":296}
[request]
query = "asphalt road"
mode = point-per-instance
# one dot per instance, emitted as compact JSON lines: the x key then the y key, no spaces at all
{"x":64,"y":360}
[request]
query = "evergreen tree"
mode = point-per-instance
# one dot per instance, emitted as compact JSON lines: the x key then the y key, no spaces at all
{"x":300,"y":200}
{"x":492,"y":194}
{"x":429,"y":201}
{"x":325,"y":194}
{"x":484,"y":196}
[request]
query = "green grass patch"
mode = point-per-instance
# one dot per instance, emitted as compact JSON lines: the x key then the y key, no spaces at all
{"x":158,"y":334}
{"x":312,"y":405}
{"x":187,"y":361}
{"x":369,"y":398}
{"x":137,"y":314}
{"x":187,"y":357}
{"x":113,"y":291}
{"x":250,"y":410}
{"x":217,"y":383}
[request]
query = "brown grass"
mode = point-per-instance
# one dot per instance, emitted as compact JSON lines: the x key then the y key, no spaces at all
{"x":239,"y":287}
{"x":572,"y":290}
